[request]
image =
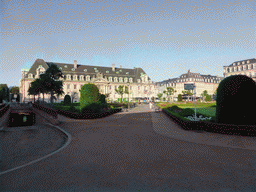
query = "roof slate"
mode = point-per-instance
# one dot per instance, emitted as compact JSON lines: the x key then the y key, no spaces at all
{"x":133,"y":73}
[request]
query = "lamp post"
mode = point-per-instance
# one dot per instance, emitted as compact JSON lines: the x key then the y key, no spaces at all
{"x":23,"y":85}
{"x":128,"y":96}
{"x":195,"y":100}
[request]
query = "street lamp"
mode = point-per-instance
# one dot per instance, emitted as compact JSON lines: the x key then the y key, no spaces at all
{"x":128,"y":96}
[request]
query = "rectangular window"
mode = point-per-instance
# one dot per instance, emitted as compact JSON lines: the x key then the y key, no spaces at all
{"x":74,"y":86}
{"x":81,"y":86}
{"x":68,"y":86}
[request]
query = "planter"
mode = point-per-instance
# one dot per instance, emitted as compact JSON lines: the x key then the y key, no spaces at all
{"x":228,"y":129}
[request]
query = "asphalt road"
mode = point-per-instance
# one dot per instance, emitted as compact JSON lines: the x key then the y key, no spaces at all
{"x":123,"y":152}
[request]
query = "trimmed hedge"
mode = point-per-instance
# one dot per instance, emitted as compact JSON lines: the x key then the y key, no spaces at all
{"x":87,"y":115}
{"x":228,"y":129}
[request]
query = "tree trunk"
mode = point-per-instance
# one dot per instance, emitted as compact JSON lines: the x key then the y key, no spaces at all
{"x":43,"y":97}
{"x":51,"y":97}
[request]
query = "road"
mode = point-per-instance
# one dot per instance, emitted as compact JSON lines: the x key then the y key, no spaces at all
{"x":125,"y":152}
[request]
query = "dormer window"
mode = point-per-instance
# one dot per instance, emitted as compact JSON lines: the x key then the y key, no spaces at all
{"x":243,"y":62}
{"x":75,"y":77}
{"x":120,"y":79}
{"x":248,"y":61}
{"x":238,"y":63}
{"x":66,"y":66}
{"x":130,"y":80}
{"x":30,"y":75}
{"x":85,"y":70}
{"x":95,"y":68}
{"x":234,"y":64}
{"x":68,"y":77}
{"x":115,"y":79}
{"x":125,"y":79}
{"x":110,"y":79}
{"x":73,"y":69}
{"x":60,"y":68}
{"x":127,"y":73}
{"x":87,"y":78}
{"x":138,"y":80}
{"x":117,"y":72}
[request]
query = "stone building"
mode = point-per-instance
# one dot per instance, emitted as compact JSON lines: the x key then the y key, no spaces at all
{"x":202,"y":82}
{"x":244,"y":67}
{"x":106,"y":78}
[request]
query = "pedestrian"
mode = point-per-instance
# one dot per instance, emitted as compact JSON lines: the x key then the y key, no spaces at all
{"x":150,"y":105}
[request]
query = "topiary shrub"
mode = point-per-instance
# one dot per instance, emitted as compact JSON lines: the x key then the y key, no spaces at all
{"x":187,"y":112}
{"x":179,"y":97}
{"x":89,"y":94}
{"x":235,"y":101}
{"x":67,"y":100}
{"x":175,"y":108}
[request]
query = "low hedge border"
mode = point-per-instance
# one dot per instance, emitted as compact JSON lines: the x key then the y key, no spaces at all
{"x":50,"y":111}
{"x":3,"y":109}
{"x":228,"y":129}
{"x":87,"y":115}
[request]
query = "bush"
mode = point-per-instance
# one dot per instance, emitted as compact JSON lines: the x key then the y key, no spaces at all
{"x":67,"y":100}
{"x":187,"y":112}
{"x":179,"y":98}
{"x":175,"y":108}
{"x":235,"y":101}
{"x":89,"y":95}
{"x":92,"y":108}
{"x":102,"y":98}
{"x":208,"y":98}
{"x":72,"y":109}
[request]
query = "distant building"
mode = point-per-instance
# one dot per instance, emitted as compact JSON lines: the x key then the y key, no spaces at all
{"x":244,"y":67}
{"x":202,"y":82}
{"x":106,"y":78}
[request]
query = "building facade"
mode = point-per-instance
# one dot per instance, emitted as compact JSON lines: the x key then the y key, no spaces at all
{"x":106,"y":78}
{"x":202,"y":82}
{"x":244,"y":67}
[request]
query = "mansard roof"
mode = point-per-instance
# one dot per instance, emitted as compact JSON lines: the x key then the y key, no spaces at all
{"x":189,"y":75}
{"x":236,"y":62}
{"x":90,"y":70}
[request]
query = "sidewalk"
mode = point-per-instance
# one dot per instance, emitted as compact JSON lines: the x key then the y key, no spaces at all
{"x":140,"y":108}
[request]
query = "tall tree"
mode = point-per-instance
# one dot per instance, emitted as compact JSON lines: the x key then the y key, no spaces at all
{"x":204,"y":94}
{"x":120,"y":90}
{"x":15,"y":90}
{"x":160,"y":95}
{"x":4,"y":92}
{"x":169,"y":91}
{"x":51,"y":81}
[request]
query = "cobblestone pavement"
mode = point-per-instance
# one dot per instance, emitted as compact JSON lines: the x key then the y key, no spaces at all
{"x":138,"y":151}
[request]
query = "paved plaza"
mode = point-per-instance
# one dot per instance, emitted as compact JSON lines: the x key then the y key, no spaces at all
{"x":139,"y":150}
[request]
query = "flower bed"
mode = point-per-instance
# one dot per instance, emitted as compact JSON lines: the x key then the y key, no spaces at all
{"x":229,"y":129}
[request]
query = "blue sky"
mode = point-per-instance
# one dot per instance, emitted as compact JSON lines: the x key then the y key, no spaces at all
{"x":164,"y":38}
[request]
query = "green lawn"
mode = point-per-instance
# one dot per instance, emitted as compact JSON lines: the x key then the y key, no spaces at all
{"x":207,"y":109}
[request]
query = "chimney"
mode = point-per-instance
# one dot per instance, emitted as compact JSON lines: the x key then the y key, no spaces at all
{"x":75,"y":64}
{"x":113,"y":67}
